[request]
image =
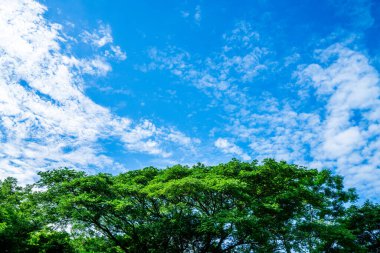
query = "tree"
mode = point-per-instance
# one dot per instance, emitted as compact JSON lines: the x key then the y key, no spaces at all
{"x":22,"y":227}
{"x":232,"y":207}
{"x":364,"y":222}
{"x":16,"y":217}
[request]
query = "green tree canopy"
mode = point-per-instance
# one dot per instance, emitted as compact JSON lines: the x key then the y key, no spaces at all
{"x":232,"y":207}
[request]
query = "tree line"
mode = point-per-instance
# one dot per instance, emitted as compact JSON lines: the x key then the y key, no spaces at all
{"x":233,"y":207}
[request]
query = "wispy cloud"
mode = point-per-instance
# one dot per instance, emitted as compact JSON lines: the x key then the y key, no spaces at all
{"x":195,"y":15}
{"x":102,"y":38}
{"x":46,"y":120}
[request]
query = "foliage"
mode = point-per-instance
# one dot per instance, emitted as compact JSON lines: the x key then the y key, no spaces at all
{"x":364,"y":222}
{"x":232,"y":207}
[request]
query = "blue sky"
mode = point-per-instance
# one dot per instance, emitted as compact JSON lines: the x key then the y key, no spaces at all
{"x":117,"y":85}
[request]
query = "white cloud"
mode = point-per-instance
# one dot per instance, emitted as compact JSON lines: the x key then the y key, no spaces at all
{"x":343,"y":143}
{"x":242,"y":36}
{"x":102,"y":38}
{"x":230,"y":148}
{"x":350,"y":134}
{"x":46,"y":120}
{"x":178,"y":137}
{"x":117,"y":53}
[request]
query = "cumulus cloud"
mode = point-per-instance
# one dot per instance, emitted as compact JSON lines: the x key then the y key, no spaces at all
{"x":46,"y":120}
{"x":350,"y":134}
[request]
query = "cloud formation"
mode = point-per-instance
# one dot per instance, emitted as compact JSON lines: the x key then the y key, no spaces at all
{"x":230,"y":148}
{"x":102,"y":37}
{"x":46,"y":120}
{"x":341,"y":133}
{"x":350,"y":134}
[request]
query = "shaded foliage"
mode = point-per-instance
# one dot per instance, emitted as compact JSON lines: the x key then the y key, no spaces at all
{"x":232,"y":207}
